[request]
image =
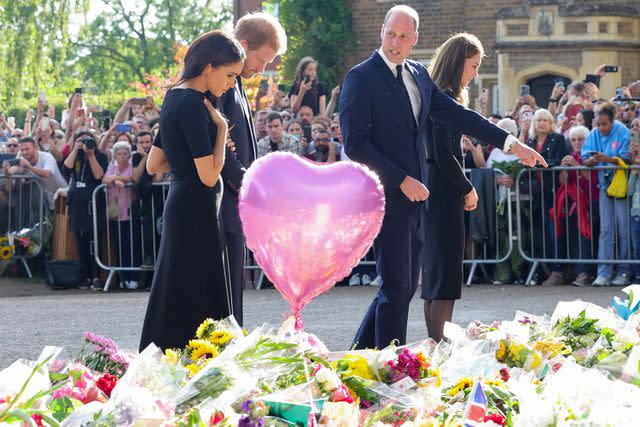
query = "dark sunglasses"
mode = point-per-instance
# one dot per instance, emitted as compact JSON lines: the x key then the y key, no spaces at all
{"x":324,"y":140}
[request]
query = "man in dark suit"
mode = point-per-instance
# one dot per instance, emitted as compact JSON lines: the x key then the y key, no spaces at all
{"x":384,"y":104}
{"x":262,"y":38}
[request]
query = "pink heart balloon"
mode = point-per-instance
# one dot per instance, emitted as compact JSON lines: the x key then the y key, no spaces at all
{"x":309,"y":224}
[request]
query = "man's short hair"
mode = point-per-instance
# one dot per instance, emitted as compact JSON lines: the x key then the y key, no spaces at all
{"x":259,"y":29}
{"x":274,"y":115}
{"x":322,"y":131}
{"x":27,"y":139}
{"x":405,"y":10}
{"x":143,"y":133}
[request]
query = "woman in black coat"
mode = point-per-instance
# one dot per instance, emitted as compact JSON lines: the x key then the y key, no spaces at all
{"x":455,"y":64}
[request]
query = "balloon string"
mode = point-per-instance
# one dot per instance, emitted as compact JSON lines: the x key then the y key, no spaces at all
{"x":299,"y":325}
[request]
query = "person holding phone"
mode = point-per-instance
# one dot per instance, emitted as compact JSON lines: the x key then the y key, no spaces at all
{"x":609,"y":139}
{"x":191,"y":278}
{"x":307,"y":90}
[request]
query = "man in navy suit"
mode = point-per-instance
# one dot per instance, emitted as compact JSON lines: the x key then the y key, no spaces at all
{"x":262,"y":38}
{"x":384,"y":104}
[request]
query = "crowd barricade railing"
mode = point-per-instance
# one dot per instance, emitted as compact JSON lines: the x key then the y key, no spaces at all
{"x":493,"y":246}
{"x":127,"y":242}
{"x":559,"y":215}
{"x":23,"y":220}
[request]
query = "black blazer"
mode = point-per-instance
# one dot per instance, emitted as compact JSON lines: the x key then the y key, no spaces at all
{"x":444,"y":150}
{"x":377,"y":127}
{"x":235,"y":106}
{"x":554,"y":149}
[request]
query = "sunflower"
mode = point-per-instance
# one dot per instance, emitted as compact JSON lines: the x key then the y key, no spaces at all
{"x":193,"y":369}
{"x":205,"y":328}
{"x":501,"y":352}
{"x":201,"y":348}
{"x":461,"y":385}
{"x":220,"y":337}
{"x":6,"y":253}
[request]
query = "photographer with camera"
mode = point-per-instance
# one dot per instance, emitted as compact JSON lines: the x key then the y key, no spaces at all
{"x":85,"y":167}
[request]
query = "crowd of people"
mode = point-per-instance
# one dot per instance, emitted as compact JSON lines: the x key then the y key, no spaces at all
{"x":578,"y":128}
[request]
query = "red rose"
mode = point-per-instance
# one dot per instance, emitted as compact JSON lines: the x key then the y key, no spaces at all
{"x":216,"y":418}
{"x":504,"y":374}
{"x":106,"y":383}
{"x":496,"y":418}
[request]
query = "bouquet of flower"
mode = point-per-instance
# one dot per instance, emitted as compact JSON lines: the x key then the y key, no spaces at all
{"x":515,"y":354}
{"x":103,"y":355}
{"x":212,"y":338}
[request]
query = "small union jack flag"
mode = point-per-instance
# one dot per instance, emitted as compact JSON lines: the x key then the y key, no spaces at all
{"x":476,"y":408}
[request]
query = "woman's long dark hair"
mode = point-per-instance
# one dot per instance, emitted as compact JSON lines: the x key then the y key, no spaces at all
{"x":215,"y":48}
{"x":447,"y":64}
{"x":302,"y":65}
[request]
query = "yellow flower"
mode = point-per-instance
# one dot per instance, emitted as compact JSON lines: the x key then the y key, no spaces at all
{"x":358,"y":366}
{"x":461,"y":385}
{"x":203,"y":329}
{"x":501,"y":352}
{"x":193,"y":369}
{"x":6,"y":253}
{"x":497,"y":383}
{"x":220,"y":337}
{"x":172,"y":356}
{"x":202,"y":348}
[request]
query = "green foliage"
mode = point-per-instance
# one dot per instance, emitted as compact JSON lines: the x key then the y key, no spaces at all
{"x":125,"y":42}
{"x":321,"y":29}
{"x":132,"y":39}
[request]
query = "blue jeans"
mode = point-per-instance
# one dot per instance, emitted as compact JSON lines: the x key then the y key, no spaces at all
{"x":614,"y":220}
{"x":635,"y":242}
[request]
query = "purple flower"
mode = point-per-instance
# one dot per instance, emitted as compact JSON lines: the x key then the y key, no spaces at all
{"x":246,"y":406}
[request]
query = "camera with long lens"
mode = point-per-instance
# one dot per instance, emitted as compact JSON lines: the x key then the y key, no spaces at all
{"x":89,"y":142}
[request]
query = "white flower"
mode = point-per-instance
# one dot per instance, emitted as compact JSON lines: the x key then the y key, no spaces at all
{"x":328,"y":379}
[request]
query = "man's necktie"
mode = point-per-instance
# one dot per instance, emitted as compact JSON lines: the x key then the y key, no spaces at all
{"x":405,"y":93}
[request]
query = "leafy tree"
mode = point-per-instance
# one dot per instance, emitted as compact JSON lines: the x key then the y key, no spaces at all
{"x":35,"y":35}
{"x":321,"y":29}
{"x":130,"y":40}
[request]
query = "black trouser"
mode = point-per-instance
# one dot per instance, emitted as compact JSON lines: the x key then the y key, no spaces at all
{"x":87,"y":260}
{"x":236,"y":253}
{"x":398,"y":251}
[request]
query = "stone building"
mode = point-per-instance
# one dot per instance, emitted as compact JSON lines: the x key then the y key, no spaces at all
{"x":527,"y":41}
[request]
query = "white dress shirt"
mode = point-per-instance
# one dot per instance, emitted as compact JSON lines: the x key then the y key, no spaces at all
{"x":410,"y":83}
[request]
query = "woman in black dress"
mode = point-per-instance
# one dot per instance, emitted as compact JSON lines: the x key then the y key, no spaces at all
{"x":191,"y":280}
{"x":455,"y":64}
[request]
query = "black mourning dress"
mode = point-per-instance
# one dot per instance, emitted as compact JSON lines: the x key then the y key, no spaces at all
{"x":190,"y":281}
{"x":442,"y":273}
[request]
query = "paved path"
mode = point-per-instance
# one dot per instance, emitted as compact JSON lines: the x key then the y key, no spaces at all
{"x":32,"y":316}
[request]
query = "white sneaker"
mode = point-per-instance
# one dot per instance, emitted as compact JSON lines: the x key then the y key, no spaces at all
{"x":376,"y":281}
{"x":622,"y":279}
{"x":366,"y":280}
{"x":601,"y":281}
{"x":355,"y":280}
{"x":131,"y":285}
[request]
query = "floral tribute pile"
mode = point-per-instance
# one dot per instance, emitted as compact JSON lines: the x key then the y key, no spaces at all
{"x":579,"y":367}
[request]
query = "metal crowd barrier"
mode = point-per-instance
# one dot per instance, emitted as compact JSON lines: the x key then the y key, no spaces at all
{"x":494,"y":249}
{"x":22,"y":217}
{"x":128,"y":246}
{"x":571,"y":238}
